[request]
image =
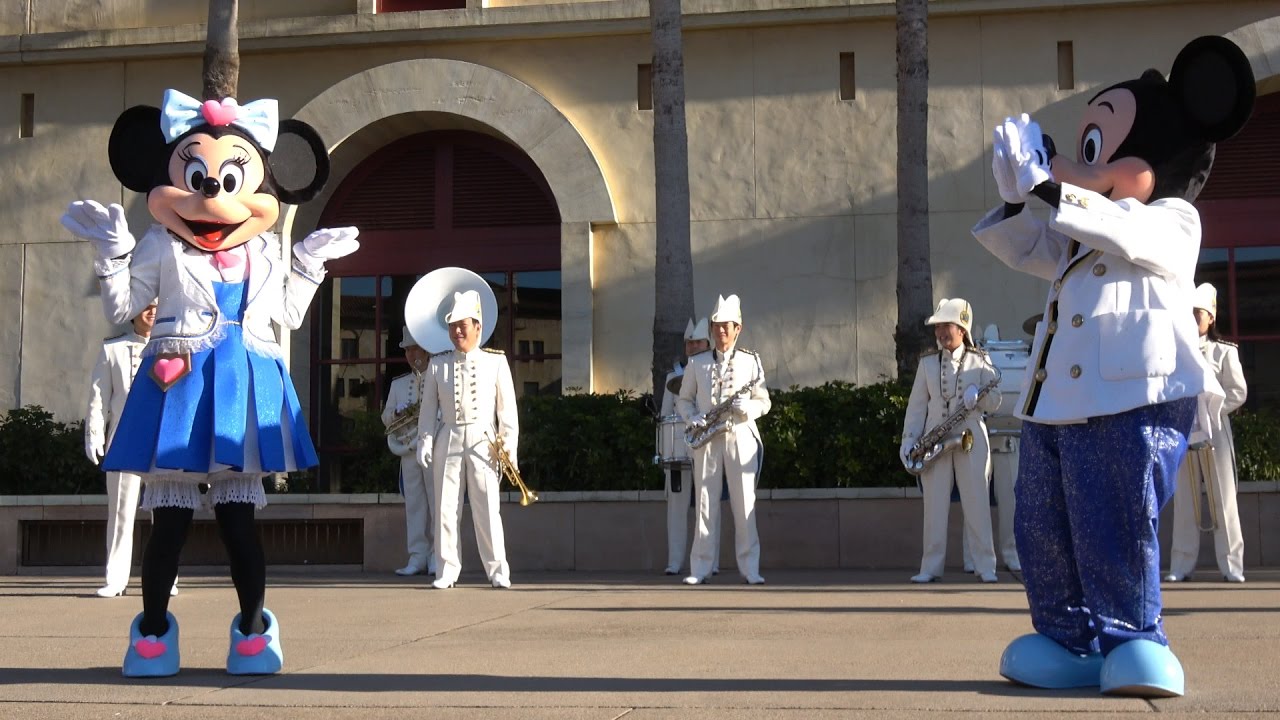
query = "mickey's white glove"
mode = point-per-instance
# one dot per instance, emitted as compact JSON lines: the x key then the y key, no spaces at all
{"x":1025,"y":148}
{"x":1002,"y":169}
{"x":971,"y":397}
{"x":94,"y":447}
{"x":104,"y":227}
{"x":326,"y":244}
{"x":424,"y":444}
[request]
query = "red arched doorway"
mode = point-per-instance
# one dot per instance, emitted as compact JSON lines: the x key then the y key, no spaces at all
{"x":426,"y":201}
{"x":1240,"y":249}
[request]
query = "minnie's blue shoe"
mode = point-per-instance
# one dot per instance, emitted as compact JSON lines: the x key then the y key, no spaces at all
{"x":152,"y":656}
{"x":1142,"y":668}
{"x":255,"y":654}
{"x":1039,"y":661}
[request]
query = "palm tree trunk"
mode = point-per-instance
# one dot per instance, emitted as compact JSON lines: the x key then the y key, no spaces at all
{"x":673,"y":261}
{"x":915,"y":275}
{"x":221,"y":51}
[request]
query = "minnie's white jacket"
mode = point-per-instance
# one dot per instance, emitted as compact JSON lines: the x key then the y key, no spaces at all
{"x":181,"y":277}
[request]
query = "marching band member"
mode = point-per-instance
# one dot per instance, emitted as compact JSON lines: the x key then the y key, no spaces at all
{"x":947,"y":380}
{"x":471,"y":388}
{"x":722,"y":394}
{"x":679,"y":482}
{"x":1228,"y":543}
{"x":404,"y":398}
{"x":112,"y":375}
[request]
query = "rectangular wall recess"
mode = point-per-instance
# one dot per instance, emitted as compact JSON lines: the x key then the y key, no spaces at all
{"x":27,"y":115}
{"x":848,"y":85}
{"x":644,"y":87}
{"x":1066,"y":66}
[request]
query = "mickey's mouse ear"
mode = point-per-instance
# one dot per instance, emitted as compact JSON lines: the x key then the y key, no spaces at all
{"x":1213,"y":82}
{"x":299,"y":162}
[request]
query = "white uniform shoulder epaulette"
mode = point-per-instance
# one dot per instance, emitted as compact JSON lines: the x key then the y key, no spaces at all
{"x":400,"y":376}
{"x":980,"y":350}
{"x":927,"y":353}
{"x":494,"y":351}
{"x":113,"y":338}
{"x":699,"y":354}
{"x":749,"y":352}
{"x":1227,"y":342}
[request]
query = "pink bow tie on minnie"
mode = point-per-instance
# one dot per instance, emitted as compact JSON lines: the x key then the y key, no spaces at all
{"x":228,"y":259}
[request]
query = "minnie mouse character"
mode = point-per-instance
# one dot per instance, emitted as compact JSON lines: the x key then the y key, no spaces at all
{"x":1111,"y":397}
{"x":216,"y":405}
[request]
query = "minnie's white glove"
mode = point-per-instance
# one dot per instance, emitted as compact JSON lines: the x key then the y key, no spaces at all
{"x":1024,"y":144}
{"x":1002,"y":169}
{"x":326,"y":244}
{"x":105,"y":227}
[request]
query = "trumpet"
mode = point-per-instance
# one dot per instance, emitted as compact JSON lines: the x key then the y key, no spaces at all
{"x":1203,"y":467}
{"x":404,"y":420}
{"x":508,"y":470}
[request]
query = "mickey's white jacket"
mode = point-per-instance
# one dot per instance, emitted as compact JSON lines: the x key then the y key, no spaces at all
{"x":181,"y":277}
{"x":1118,"y":331}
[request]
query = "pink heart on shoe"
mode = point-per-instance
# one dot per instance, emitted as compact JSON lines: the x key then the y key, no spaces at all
{"x":218,"y":114}
{"x":149,"y":647}
{"x":170,"y":369}
{"x":253,"y":645}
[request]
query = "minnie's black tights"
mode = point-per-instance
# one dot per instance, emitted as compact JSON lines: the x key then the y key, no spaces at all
{"x":244,"y":552}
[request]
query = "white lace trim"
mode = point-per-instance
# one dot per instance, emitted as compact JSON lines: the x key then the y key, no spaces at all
{"x":182,"y":490}
{"x":207,"y":342}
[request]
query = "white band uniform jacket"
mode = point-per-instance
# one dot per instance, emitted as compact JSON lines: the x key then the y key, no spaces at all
{"x":705,"y":386}
{"x":486,"y":395}
{"x":1118,"y":332}
{"x":112,"y":377}
{"x":187,"y":315}
{"x":405,"y":391}
{"x":939,"y":391}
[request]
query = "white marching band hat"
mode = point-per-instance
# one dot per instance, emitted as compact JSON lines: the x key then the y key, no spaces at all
{"x":1205,"y":297}
{"x":728,"y":309}
{"x":697,"y":332}
{"x":953,"y":310}
{"x":406,"y":339}
{"x":465,"y":305}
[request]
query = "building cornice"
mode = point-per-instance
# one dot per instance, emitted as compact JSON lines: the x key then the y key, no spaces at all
{"x":613,"y":17}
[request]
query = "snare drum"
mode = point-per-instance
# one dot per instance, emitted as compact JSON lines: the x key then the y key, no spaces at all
{"x":672,"y":451}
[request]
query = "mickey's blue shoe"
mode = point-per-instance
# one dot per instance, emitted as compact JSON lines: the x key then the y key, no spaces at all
{"x":1142,"y":668}
{"x":1039,"y":661}
{"x":255,"y":654}
{"x":152,"y":656}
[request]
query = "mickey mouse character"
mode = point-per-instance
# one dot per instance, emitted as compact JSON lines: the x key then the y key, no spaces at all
{"x":213,"y":402}
{"x":1112,"y":393}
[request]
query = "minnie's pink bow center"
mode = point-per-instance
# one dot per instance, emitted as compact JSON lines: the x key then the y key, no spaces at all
{"x":220,"y":113}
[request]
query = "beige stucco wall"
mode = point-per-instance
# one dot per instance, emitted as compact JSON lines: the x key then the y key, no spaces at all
{"x":792,"y":189}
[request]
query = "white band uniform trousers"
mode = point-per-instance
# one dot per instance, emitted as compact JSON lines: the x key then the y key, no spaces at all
{"x":461,"y":459}
{"x":738,"y":455}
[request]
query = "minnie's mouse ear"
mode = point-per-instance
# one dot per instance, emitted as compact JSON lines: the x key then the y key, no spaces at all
{"x":299,"y":162}
{"x":1213,"y":81}
{"x":137,"y":148}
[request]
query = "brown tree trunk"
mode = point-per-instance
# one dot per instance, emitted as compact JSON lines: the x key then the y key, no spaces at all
{"x":673,"y":261}
{"x":221,"y":51}
{"x":915,"y":275}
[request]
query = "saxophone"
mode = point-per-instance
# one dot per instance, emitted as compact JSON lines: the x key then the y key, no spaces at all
{"x":717,"y":418}
{"x":940,"y":441}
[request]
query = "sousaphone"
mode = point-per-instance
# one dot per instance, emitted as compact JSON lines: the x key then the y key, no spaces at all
{"x":431,"y":298}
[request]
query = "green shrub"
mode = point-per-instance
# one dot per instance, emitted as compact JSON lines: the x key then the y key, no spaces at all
{"x":41,"y":456}
{"x":588,"y":442}
{"x":1257,"y":439}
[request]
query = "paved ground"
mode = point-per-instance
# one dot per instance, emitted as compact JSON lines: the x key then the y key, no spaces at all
{"x":811,"y":645}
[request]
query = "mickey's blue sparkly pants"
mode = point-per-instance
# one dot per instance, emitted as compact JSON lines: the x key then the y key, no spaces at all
{"x":1089,"y":498}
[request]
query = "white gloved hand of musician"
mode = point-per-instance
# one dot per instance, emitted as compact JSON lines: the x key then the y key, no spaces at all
{"x":971,"y":397}
{"x":904,"y":453}
{"x":402,"y":406}
{"x":699,"y":420}
{"x":104,"y":227}
{"x":1025,"y":146}
{"x":739,"y":406}
{"x":425,"y":443}
{"x":94,"y":447}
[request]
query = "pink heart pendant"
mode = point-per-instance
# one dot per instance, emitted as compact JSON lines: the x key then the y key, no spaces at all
{"x":218,"y":114}
{"x":149,"y":647}
{"x":252,"y":645}
{"x":228,"y":259}
{"x":170,"y":369}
